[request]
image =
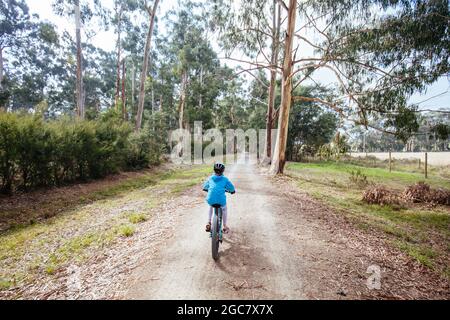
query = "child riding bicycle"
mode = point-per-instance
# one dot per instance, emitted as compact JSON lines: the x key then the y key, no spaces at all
{"x":216,"y":186}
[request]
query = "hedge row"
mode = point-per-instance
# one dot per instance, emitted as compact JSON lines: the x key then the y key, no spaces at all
{"x":35,"y":153}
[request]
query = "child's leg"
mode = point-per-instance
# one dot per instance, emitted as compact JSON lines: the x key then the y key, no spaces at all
{"x":224,"y":215}
{"x":210,"y":212}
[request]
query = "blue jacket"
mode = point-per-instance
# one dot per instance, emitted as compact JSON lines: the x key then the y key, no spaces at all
{"x":216,"y":187}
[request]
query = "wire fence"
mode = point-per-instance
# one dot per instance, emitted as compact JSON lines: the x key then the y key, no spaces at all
{"x":436,"y":163}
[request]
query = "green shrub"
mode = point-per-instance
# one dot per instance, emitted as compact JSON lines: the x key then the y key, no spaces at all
{"x":111,"y":153}
{"x":358,"y":178}
{"x":143,"y":149}
{"x":8,"y":150}
{"x":64,"y":151}
{"x":34,"y":152}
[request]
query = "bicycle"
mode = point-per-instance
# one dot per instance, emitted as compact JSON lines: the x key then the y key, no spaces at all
{"x":216,"y":233}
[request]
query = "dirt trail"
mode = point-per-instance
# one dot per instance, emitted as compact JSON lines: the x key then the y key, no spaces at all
{"x":253,"y":258}
{"x":282,"y":245}
{"x":278,"y":248}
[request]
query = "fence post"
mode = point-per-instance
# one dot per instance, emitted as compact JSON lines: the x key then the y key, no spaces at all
{"x":390,"y":162}
{"x":426,"y":165}
{"x":419,"y":163}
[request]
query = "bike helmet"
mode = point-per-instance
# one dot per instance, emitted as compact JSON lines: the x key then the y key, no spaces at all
{"x":219,"y":168}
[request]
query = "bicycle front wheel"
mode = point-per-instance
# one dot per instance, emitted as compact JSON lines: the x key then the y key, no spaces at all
{"x":215,"y":235}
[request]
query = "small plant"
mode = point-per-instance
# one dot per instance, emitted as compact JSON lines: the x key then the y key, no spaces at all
{"x":126,"y":230}
{"x":50,"y":269}
{"x":5,"y":284}
{"x":358,"y":178}
{"x":137,"y":218}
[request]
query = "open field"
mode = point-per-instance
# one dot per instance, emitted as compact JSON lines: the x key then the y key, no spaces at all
{"x":422,"y":231}
{"x":434,"y":158}
{"x":442,"y":172}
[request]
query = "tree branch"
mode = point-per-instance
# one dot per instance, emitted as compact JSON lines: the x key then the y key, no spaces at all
{"x":258,"y":64}
{"x":283,"y":4}
{"x":310,"y":99}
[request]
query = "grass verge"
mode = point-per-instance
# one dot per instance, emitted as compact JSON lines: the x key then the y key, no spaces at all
{"x":422,"y":232}
{"x":73,"y":233}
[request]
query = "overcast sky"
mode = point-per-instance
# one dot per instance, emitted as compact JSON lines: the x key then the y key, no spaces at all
{"x":437,"y":95}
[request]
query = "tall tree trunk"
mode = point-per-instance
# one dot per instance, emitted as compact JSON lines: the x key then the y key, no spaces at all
{"x":118,"y":65}
{"x":279,"y":157}
{"x":79,"y":85}
{"x":140,"y":111}
{"x":276,"y":21}
{"x":153,"y":97}
{"x":2,"y":107}
{"x":182,"y":99}
{"x":200,"y":99}
{"x":133,"y":85}
{"x":124,"y":78}
{"x":1,"y":68}
{"x":119,"y":13}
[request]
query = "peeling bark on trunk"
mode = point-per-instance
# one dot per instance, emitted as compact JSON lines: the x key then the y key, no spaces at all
{"x":182,"y":102}
{"x":79,"y":84}
{"x":276,"y":21}
{"x":279,"y":157}
{"x":124,"y":78}
{"x":145,"y":65}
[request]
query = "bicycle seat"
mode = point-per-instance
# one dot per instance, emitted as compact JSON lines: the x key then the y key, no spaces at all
{"x":216,"y":206}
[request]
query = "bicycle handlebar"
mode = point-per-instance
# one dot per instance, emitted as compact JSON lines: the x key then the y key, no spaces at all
{"x":206,"y":190}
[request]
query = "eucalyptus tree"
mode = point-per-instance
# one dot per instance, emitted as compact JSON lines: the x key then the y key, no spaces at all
{"x":133,"y":45}
{"x":311,"y":125}
{"x":199,"y":77}
{"x":121,"y":21}
{"x":371,"y":49}
{"x":82,"y":11}
{"x":151,"y":11}
{"x":14,"y":26}
{"x":253,"y":28}
{"x":27,"y":52}
{"x":256,"y":97}
{"x":279,"y":156}
{"x":231,"y":111}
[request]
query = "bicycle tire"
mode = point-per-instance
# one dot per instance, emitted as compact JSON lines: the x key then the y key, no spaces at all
{"x":215,"y":235}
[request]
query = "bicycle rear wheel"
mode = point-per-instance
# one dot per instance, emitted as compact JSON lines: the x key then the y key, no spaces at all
{"x":215,"y":234}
